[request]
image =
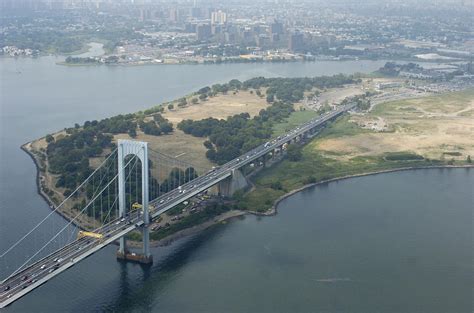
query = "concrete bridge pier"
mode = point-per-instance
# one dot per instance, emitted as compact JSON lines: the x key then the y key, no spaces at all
{"x":229,"y":186}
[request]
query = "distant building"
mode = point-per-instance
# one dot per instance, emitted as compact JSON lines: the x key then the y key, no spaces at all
{"x":218,"y":17}
{"x":203,"y":32}
{"x":216,"y":29}
{"x":189,"y":28}
{"x":196,"y":12}
{"x":262,"y":40}
{"x":276,"y":28}
{"x":174,"y":15}
{"x":296,"y":42}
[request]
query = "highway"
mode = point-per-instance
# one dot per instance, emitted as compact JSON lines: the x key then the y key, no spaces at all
{"x":41,"y":271}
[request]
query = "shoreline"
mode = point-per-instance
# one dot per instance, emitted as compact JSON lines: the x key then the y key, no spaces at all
{"x":273,"y":209}
{"x":166,"y":241}
{"x":39,"y":187}
{"x":230,"y":214}
{"x":64,"y":63}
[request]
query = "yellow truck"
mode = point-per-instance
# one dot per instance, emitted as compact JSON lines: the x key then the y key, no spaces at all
{"x":83,"y":234}
{"x":136,"y":206}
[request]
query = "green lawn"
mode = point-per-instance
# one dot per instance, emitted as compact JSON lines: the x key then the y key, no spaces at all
{"x":296,"y":118}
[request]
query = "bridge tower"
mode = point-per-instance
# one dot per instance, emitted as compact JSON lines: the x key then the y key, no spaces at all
{"x":139,"y":149}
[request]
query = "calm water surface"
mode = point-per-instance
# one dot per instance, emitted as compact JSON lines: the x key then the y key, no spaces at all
{"x":398,"y":242}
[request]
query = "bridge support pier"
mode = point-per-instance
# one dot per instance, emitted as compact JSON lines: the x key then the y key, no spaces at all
{"x":229,"y":186}
{"x":139,"y":149}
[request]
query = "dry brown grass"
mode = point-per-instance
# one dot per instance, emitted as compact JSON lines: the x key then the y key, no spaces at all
{"x":188,"y":148}
{"x":219,"y":107}
{"x":429,"y":126}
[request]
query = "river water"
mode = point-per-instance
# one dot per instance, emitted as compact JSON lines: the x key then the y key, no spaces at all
{"x":396,"y":242}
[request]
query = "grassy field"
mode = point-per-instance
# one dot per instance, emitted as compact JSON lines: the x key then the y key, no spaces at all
{"x":424,"y":132}
{"x":296,"y":118}
{"x":428,"y":126}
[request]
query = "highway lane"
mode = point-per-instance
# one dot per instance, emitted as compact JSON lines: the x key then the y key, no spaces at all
{"x":66,"y":256}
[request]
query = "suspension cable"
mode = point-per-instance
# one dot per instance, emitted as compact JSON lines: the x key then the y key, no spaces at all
{"x":55,"y":209}
{"x":55,"y":236}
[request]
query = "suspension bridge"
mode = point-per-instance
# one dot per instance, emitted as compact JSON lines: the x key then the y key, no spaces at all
{"x":129,"y":190}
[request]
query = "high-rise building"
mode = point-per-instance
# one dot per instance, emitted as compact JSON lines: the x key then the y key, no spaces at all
{"x":218,"y":17}
{"x":276,"y":28}
{"x":203,"y":32}
{"x":296,"y":42}
{"x":174,"y":15}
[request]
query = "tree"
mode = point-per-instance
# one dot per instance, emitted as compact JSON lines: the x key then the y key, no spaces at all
{"x":170,"y":106}
{"x":276,"y":185}
{"x":270,"y":98}
{"x":203,"y":97}
{"x":182,"y":102}
{"x":294,"y":153}
{"x":49,"y":138}
{"x":194,"y":100}
{"x":468,"y":159}
{"x":166,"y":127}
{"x":132,"y":132}
{"x":204,"y":90}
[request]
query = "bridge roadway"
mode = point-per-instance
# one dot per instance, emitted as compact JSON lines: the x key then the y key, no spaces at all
{"x":43,"y":270}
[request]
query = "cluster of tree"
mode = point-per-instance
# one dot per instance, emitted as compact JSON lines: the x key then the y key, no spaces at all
{"x":38,"y":39}
{"x":237,"y":134}
{"x":402,"y":156}
{"x":69,"y":156}
{"x":221,"y":50}
{"x":158,"y":126}
{"x":294,"y":153}
{"x":393,"y":69}
{"x":282,"y":89}
{"x":212,"y":210}
{"x":79,"y":60}
{"x":119,"y":124}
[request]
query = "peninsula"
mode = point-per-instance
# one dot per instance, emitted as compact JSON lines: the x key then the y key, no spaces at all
{"x":400,"y":124}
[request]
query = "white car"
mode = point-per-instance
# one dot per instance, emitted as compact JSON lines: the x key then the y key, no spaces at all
{"x":43,"y":266}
